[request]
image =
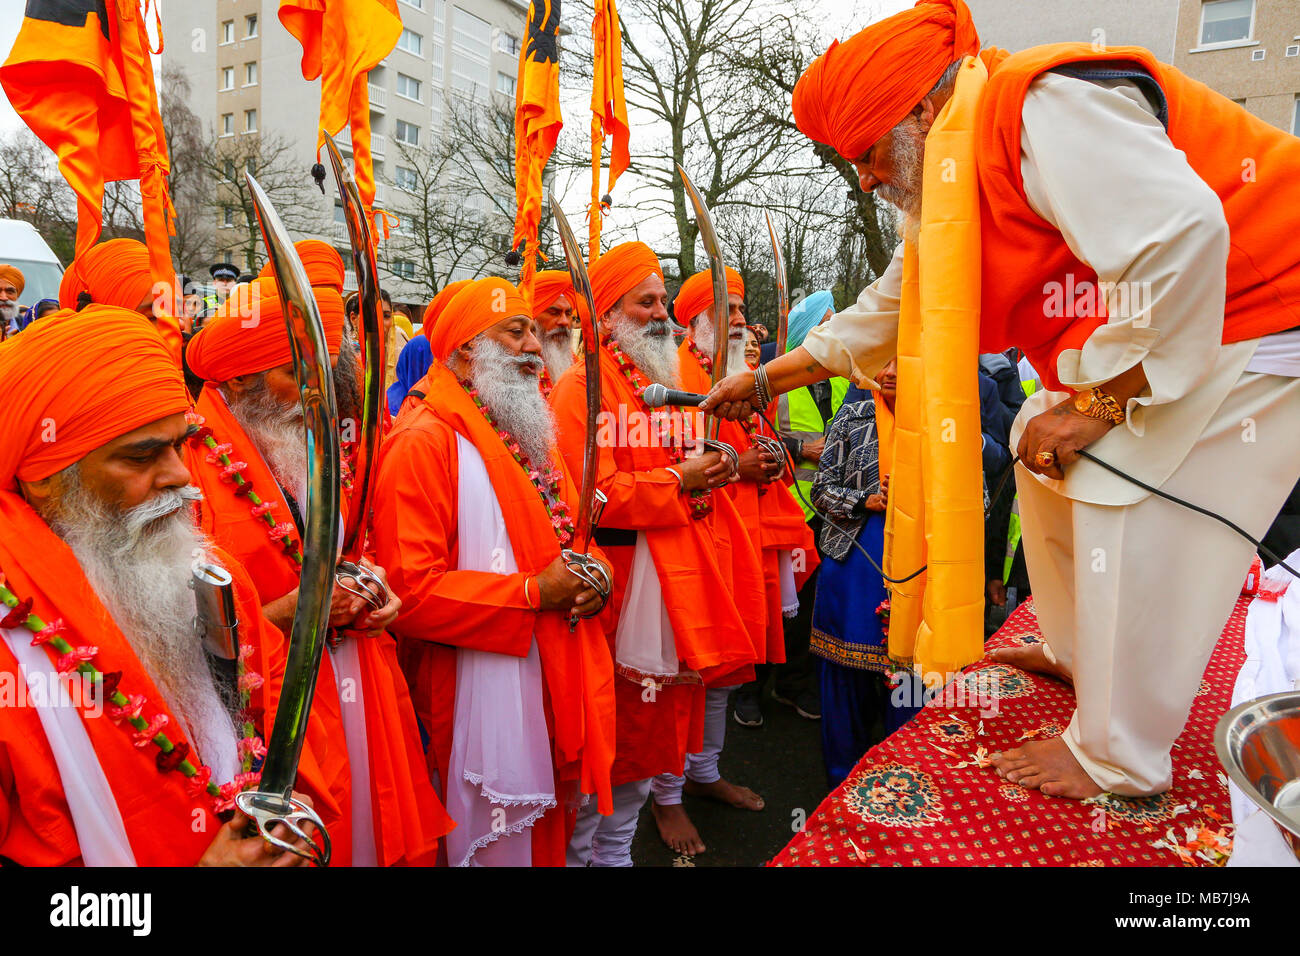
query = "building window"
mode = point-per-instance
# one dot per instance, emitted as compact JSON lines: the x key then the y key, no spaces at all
{"x":408,"y":86}
{"x":1295,"y":118}
{"x":1226,"y":21}
{"x":250,"y":25}
{"x":471,"y":47}
{"x":505,"y":84}
{"x":411,"y":42}
{"x":418,"y":4}
{"x":227,"y":124}
{"x":228,"y":78}
{"x":250,"y":121}
{"x":228,"y":32}
{"x":227,"y":215}
{"x":509,"y":44}
{"x":406,"y":179}
{"x":408,"y":133}
{"x":250,"y":74}
{"x":339,"y":216}
{"x":404,"y":269}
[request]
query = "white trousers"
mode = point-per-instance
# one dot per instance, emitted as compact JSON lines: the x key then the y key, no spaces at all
{"x":1133,"y":598}
{"x":703,"y":766}
{"x":607,"y":841}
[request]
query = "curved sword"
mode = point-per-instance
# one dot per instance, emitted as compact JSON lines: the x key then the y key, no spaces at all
{"x":591,"y":501}
{"x":782,"y":289}
{"x":365,"y":464}
{"x":721,"y":323}
{"x":273,"y":802}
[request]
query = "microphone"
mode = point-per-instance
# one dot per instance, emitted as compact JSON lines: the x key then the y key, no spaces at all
{"x":657,"y":396}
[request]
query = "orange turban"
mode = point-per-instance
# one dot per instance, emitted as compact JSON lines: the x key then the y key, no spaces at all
{"x":548,"y":286}
{"x":438,"y":304}
{"x":111,"y":273}
{"x":696,"y":294}
{"x":621,"y":269}
{"x":474,"y":309}
{"x":248,"y":334}
{"x":73,"y":382}
{"x":14,"y":275}
{"x":857,"y":91}
{"x":322,"y":261}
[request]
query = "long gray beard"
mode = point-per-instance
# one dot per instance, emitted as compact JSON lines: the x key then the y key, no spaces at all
{"x":277,"y":432}
{"x":650,"y":347}
{"x":8,"y":311}
{"x":556,"y":352}
{"x":513,"y":397}
{"x":907,"y":156}
{"x":139,"y":564}
{"x":702,"y":326}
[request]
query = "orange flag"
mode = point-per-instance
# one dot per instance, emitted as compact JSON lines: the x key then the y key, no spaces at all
{"x":80,"y":76}
{"x":608,"y":112}
{"x":537,"y":127}
{"x":342,"y":41}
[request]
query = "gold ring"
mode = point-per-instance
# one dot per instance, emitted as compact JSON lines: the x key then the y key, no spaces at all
{"x":1045,"y":459}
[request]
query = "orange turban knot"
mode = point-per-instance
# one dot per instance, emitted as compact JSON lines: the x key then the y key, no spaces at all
{"x":438,"y":304}
{"x":548,"y":286}
{"x":621,"y":269}
{"x":14,"y":275}
{"x":248,"y":334}
{"x":322,"y":261}
{"x":696,"y":294}
{"x":857,"y":91}
{"x":73,"y":382}
{"x":474,"y":309}
{"x":111,"y":273}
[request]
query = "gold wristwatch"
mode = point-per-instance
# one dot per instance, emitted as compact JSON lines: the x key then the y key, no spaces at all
{"x":1095,"y":403}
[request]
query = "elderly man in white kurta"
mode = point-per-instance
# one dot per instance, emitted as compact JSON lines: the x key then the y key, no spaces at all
{"x":1185,"y":366}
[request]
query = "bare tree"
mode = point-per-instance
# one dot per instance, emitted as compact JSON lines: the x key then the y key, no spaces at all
{"x":190,"y":181}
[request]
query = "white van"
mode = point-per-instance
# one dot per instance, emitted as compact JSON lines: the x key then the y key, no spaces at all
{"x":21,"y":246}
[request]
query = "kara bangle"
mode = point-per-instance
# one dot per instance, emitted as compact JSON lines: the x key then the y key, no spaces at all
{"x":681,"y":482}
{"x":762,"y":390}
{"x":527,"y":599}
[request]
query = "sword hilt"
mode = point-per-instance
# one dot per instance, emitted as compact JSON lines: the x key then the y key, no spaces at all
{"x":593,"y":574}
{"x":268,"y":809}
{"x":713,"y":444}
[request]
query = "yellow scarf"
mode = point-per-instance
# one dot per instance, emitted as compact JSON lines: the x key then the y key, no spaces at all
{"x":936,"y":510}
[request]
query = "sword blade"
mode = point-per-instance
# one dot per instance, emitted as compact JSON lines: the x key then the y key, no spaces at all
{"x":721,"y":323}
{"x":782,"y":289}
{"x":320,"y":540}
{"x":591,"y":362}
{"x":373,"y":341}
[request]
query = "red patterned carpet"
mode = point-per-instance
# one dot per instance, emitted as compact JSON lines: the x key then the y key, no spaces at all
{"x":920,"y":798}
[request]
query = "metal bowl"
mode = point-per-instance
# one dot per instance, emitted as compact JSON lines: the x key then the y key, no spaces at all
{"x":1258,"y":743}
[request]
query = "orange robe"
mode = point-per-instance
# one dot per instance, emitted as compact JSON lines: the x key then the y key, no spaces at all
{"x":696,"y":566}
{"x":408,"y":817}
{"x":164,"y":823}
{"x":443,"y":608}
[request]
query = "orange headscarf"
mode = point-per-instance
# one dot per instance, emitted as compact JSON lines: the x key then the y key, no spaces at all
{"x":548,"y":286}
{"x":111,"y":273}
{"x":438,"y":304}
{"x":696,"y":294}
{"x":248,"y":334}
{"x":73,"y":382}
{"x":322,"y":261}
{"x":621,"y":268}
{"x":14,"y":275}
{"x":859,"y":90}
{"x":474,"y":309}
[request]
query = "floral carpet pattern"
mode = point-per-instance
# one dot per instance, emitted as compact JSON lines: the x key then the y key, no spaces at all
{"x":927,"y":796}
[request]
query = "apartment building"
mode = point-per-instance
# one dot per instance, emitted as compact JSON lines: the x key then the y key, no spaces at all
{"x":1019,"y":24}
{"x":244,"y":70}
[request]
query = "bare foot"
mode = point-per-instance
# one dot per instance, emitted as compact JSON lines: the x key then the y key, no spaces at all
{"x":1046,"y":765}
{"x":1032,"y":657}
{"x":742,"y":798}
{"x":676,"y":829}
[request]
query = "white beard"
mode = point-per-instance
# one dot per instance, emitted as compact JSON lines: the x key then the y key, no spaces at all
{"x":139,"y":564}
{"x":8,"y":311}
{"x":556,"y":352}
{"x":277,"y":432}
{"x":650,"y":347}
{"x":907,"y":156}
{"x":513,"y":397}
{"x":702,"y":327}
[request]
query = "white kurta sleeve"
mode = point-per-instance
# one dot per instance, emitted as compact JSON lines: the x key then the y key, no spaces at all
{"x":858,"y":342}
{"x":1098,"y":166}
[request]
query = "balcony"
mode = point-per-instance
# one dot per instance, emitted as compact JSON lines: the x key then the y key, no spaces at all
{"x":378,"y":98}
{"x":378,"y":143}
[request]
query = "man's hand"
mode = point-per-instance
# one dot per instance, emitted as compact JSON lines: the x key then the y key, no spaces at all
{"x":561,"y":590}
{"x":758,"y":466}
{"x":1063,"y":432}
{"x":812,"y":449}
{"x":997,"y":592}
{"x":732,"y":398}
{"x":365,"y":621}
{"x":234,"y":847}
{"x":706,"y":471}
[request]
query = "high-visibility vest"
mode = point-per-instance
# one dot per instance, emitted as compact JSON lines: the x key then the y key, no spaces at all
{"x":797,"y":417}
